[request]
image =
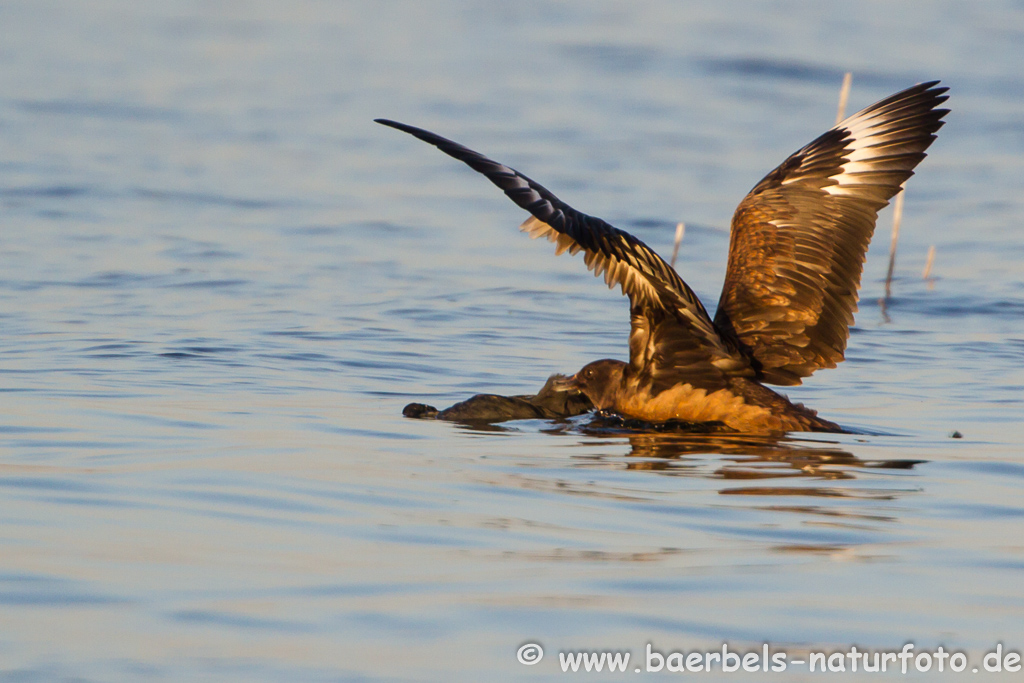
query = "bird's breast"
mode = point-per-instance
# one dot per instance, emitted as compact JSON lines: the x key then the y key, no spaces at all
{"x":687,"y":403}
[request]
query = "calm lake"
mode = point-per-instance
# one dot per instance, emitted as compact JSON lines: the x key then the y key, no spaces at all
{"x":220,"y":282}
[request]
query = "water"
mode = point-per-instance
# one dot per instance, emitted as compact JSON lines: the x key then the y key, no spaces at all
{"x":221,"y":282}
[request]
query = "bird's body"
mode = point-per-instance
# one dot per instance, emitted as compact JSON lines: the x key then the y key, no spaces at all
{"x":796,"y":253}
{"x":741,"y":405}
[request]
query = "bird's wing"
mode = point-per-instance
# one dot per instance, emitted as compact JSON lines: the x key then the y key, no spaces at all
{"x":672,"y":336}
{"x":799,"y":238}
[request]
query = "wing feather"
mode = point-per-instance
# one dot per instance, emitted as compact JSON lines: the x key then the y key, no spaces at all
{"x":799,"y":238}
{"x":672,"y":335}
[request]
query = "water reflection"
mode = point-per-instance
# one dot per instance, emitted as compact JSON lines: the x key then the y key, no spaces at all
{"x":785,"y":495}
{"x":749,"y":456}
{"x":756,"y":457}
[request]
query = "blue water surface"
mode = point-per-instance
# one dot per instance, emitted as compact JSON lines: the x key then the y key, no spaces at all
{"x":220,"y":283}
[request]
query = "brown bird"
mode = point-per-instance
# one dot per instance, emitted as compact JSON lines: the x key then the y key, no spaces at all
{"x":796,"y":253}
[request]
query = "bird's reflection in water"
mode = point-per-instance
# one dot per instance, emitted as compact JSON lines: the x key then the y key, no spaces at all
{"x":673,"y":449}
{"x":756,"y":457}
{"x":792,"y":494}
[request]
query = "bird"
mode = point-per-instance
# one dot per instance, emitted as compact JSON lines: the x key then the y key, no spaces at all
{"x":798,"y":242}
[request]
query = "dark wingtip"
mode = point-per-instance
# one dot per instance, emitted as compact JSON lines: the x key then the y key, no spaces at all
{"x":444,"y":144}
{"x":401,"y":126}
{"x":938,"y":94}
{"x":930,"y":88}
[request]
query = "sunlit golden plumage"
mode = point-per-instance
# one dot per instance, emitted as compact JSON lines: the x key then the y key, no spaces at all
{"x":796,"y":254}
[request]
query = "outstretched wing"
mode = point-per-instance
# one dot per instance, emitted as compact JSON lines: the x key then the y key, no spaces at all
{"x":672,"y":335}
{"x":800,"y":237}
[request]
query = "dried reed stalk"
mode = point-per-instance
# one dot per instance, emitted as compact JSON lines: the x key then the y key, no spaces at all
{"x":897,"y":218}
{"x":844,"y":94}
{"x":928,"y":263}
{"x":680,"y":230}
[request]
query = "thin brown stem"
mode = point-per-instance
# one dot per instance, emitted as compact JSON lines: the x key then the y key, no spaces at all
{"x":844,"y":95}
{"x":897,"y":218}
{"x":680,"y":230}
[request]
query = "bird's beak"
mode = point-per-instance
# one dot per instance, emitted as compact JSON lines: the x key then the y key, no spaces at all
{"x":565,"y":384}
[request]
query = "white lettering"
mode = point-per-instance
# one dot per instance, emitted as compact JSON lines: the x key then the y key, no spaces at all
{"x":726,"y":657}
{"x":998,"y":656}
{"x":651,"y":655}
{"x":906,"y":654}
{"x":854,"y":656}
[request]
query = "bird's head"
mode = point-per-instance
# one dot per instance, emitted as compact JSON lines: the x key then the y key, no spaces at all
{"x":599,"y":381}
